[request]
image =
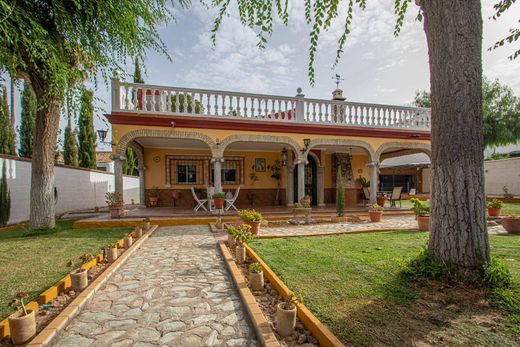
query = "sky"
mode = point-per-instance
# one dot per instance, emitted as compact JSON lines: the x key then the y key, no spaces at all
{"x":376,"y":66}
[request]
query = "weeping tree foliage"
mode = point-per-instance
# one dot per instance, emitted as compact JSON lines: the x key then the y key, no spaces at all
{"x":27,"y":123}
{"x":501,"y":112}
{"x":57,"y":44}
{"x":458,"y":231}
{"x":7,"y":134}
{"x":86,"y":134}
{"x":5,"y":198}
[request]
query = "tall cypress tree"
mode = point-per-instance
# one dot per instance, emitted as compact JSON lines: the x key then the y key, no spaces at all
{"x":87,"y":136}
{"x":138,"y":78}
{"x":5,"y":198}
{"x":70,"y":143}
{"x":28,"y":120}
{"x":7,"y":135}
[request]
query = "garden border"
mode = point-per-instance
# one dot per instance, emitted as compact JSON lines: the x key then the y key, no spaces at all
{"x":263,"y":331}
{"x":56,"y":325}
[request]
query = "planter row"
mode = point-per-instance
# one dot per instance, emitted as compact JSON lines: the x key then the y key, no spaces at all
{"x":22,"y":328}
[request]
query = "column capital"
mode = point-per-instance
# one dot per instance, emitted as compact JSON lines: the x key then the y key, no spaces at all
{"x":373,"y":163}
{"x":117,"y":157}
{"x":143,"y":168}
{"x":217,"y":159}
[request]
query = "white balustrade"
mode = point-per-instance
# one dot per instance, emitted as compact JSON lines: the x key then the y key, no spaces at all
{"x":143,"y":98}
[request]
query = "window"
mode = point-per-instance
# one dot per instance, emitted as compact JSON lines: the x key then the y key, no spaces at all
{"x":186,"y":173}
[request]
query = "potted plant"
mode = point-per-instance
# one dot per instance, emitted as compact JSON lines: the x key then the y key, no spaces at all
{"x":494,"y":206}
{"x":112,"y":252}
{"x":256,"y":276}
{"x":128,"y":241}
{"x":381,"y":200}
{"x":375,"y":212}
{"x":115,"y":204}
{"x":22,"y":323}
{"x":153,"y":196}
{"x":218,"y":199}
{"x":146,"y":223}
{"x":306,"y":200}
{"x":422,"y":214}
{"x":301,"y":210}
{"x":242,"y":235}
{"x":252,"y":218}
{"x":286,"y":315}
{"x":138,"y":232}
{"x":511,"y":224}
{"x":79,"y":276}
{"x":363,"y":182}
{"x":231,"y":231}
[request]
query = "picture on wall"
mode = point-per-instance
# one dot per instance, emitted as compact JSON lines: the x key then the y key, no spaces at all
{"x":260,"y":164}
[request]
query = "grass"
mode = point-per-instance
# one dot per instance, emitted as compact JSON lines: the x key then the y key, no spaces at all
{"x":508,"y":207}
{"x":34,"y":261}
{"x":353,"y":284}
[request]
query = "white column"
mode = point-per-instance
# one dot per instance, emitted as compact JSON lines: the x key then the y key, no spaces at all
{"x":116,"y":92}
{"x":141,"y":185}
{"x":374,"y":177}
{"x":320,"y":185}
{"x":217,"y":174}
{"x":301,"y":180}
{"x":300,"y":106}
{"x":118,"y":176}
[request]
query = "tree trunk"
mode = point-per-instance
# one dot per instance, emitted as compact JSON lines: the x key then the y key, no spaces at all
{"x":458,"y":235}
{"x":42,"y":179}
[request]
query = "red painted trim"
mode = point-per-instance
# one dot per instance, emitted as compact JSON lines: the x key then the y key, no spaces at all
{"x":250,"y":125}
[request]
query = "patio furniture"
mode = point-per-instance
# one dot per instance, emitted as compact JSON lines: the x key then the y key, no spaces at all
{"x":200,"y":202}
{"x":230,"y":202}
{"x":366,"y":196}
{"x":412,"y":191}
{"x":210,"y":191}
{"x":396,"y":196}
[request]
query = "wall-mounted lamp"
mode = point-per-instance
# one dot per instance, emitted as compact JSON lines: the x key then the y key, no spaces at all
{"x":284,"y":156}
{"x":306,"y":143}
{"x":102,"y":133}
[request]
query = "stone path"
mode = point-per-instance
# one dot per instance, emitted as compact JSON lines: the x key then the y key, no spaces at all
{"x":173,"y":291}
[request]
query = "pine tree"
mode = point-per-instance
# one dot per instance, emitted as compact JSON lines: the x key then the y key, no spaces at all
{"x":340,"y":195}
{"x":5,"y":198}
{"x":7,"y":135}
{"x":87,"y":136}
{"x":137,"y":73}
{"x":28,"y":120}
{"x":70,"y":146}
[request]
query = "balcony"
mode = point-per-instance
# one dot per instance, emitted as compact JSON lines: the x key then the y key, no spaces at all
{"x":137,"y":98}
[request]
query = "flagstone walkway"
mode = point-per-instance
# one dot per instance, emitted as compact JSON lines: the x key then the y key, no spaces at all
{"x":173,"y":291}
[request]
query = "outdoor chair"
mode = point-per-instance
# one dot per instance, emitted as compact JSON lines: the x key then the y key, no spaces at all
{"x":366,"y":196}
{"x":231,"y":202}
{"x":200,"y":202}
{"x":210,"y":191}
{"x":396,"y":196}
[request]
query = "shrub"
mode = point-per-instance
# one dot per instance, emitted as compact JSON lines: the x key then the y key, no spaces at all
{"x":219,"y":195}
{"x":424,"y":266}
{"x":420,"y":208}
{"x":154,"y":192}
{"x":249,"y":215}
{"x":495,"y":203}
{"x":375,"y":208}
{"x":243,"y":234}
{"x":83,"y":259}
{"x":495,"y":275}
{"x":513,"y":216}
{"x":113,"y":199}
{"x":255,"y":268}
{"x":363,"y":182}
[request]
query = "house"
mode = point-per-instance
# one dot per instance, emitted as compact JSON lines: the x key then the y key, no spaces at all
{"x":104,"y":161}
{"x":276,"y":148}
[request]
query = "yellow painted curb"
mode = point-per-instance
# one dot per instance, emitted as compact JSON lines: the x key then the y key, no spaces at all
{"x":47,"y":335}
{"x":324,"y":336}
{"x":263,"y":330}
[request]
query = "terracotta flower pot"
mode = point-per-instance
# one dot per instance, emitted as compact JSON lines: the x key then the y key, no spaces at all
{"x":219,"y":203}
{"x":375,"y":216}
{"x":79,"y":279}
{"x":238,"y":222}
{"x":256,"y":279}
{"x":153,"y":200}
{"x":176,"y":195}
{"x":146,"y":226}
{"x":255,"y":227}
{"x":423,"y":223}
{"x":116,"y":211}
{"x":381,"y":201}
{"x":494,"y":211}
{"x":231,"y":241}
{"x":112,"y":254}
{"x":129,"y":241}
{"x":285,"y":320}
{"x":512,"y":225}
{"x":305,"y":202}
{"x":22,"y":327}
{"x":240,"y":254}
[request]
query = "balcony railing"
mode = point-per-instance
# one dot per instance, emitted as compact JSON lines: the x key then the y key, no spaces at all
{"x":151,"y":99}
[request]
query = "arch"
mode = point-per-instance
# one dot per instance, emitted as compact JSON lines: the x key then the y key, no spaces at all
{"x":127,"y":138}
{"x":219,"y":152}
{"x":425,"y":147}
{"x":342,"y":142}
{"x":316,"y":159}
{"x":139,"y":152}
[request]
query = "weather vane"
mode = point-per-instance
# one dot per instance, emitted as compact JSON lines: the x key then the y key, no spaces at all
{"x":338,"y":79}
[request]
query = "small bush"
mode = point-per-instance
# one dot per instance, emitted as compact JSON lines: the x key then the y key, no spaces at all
{"x":249,"y":215}
{"x":424,"y":266}
{"x":495,"y":203}
{"x":219,"y":195}
{"x":495,"y":275}
{"x":375,"y":208}
{"x":420,"y":208}
{"x":255,"y":268}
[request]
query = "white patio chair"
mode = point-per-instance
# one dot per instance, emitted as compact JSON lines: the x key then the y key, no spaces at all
{"x":231,"y":202}
{"x":200,"y":202}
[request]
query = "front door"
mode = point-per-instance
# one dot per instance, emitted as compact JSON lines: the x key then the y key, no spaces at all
{"x":310,"y":180}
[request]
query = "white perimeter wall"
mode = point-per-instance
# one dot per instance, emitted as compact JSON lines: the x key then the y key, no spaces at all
{"x":78,"y":189}
{"x":500,"y":173}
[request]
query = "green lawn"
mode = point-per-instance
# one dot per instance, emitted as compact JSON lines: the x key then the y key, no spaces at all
{"x":508,"y":208}
{"x":33,"y":263}
{"x":352,"y":283}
